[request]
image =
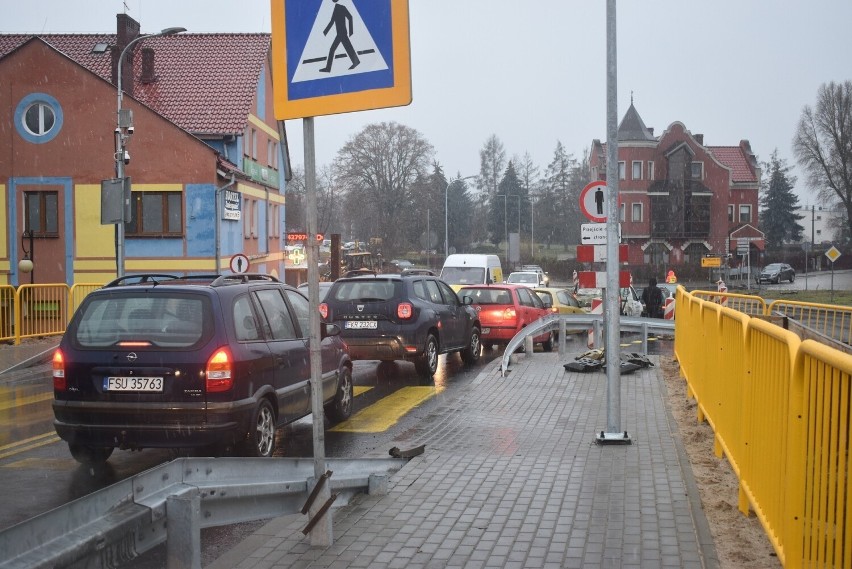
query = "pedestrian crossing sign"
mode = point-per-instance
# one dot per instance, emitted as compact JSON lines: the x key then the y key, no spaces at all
{"x":339,"y":56}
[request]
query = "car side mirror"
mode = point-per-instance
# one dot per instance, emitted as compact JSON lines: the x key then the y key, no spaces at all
{"x":327,"y":330}
{"x":466,"y":300}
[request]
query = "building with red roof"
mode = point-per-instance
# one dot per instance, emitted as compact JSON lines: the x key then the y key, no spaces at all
{"x":679,"y":199}
{"x":207,"y":162}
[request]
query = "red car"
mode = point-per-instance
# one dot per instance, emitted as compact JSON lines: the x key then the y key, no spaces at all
{"x":504,"y":309}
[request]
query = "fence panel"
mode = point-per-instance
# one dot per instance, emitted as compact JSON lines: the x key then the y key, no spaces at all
{"x":78,"y":293}
{"x":745,"y":303}
{"x":43,"y":310}
{"x":819,"y":517}
{"x":7,"y":313}
{"x":827,"y":319}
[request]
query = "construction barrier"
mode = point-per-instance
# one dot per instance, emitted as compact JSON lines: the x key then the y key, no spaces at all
{"x":36,"y":310}
{"x":781,"y":412}
{"x":669,"y":309}
{"x":597,"y":308}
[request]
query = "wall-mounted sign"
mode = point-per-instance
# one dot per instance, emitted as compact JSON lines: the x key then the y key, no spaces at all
{"x":233,"y":205}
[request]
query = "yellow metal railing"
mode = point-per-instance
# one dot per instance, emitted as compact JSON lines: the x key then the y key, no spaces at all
{"x":780,"y":410}
{"x":35,"y":310}
{"x":828,"y":319}
{"x":745,"y":303}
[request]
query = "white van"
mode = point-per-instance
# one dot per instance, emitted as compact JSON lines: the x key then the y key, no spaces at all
{"x":471,"y":269}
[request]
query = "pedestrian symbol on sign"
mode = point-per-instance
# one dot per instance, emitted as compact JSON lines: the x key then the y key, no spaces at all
{"x":337,"y":25}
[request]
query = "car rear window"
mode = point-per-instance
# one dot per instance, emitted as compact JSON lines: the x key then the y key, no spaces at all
{"x":487,"y":295}
{"x":366,"y":290}
{"x":463,"y":275}
{"x":165,"y":320}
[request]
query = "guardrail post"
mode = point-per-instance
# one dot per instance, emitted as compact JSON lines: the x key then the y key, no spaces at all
{"x":183,"y":530}
{"x":528,"y":347}
{"x":562,"y":339}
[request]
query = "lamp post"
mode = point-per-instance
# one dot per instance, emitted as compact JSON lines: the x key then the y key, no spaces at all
{"x":123,"y":131}
{"x":447,"y":214}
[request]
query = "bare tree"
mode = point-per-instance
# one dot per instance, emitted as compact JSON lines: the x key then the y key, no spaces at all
{"x":377,"y":169}
{"x":823,"y":145}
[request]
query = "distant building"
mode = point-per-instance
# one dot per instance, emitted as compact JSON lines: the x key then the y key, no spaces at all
{"x":820,"y":225}
{"x":207,"y":163}
{"x":679,"y":199}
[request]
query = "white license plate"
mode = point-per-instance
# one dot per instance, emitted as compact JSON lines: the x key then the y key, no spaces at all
{"x":486,"y":330}
{"x":149,"y":384}
{"x":361,"y":324}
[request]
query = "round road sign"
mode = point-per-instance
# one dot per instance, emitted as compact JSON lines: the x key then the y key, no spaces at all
{"x":239,"y":263}
{"x":593,"y":200}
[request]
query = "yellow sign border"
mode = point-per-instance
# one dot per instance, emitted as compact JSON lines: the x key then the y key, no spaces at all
{"x":396,"y":96}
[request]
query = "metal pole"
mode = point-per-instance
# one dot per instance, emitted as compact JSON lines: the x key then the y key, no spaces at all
{"x":612,"y":310}
{"x":321,"y":532}
{"x":121,"y":135}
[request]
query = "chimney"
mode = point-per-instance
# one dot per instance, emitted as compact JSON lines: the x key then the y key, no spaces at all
{"x":147,"y":66}
{"x":127,"y":30}
{"x":699,"y":138}
{"x":651,"y":130}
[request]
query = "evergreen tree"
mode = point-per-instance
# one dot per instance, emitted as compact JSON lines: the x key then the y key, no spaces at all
{"x":778,"y":218}
{"x":556,"y":197}
{"x":504,"y":211}
{"x":460,"y":206}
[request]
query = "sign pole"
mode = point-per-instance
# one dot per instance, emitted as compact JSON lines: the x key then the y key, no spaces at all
{"x":613,"y":433}
{"x":321,"y":533}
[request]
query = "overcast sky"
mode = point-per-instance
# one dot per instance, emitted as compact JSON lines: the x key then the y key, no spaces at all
{"x":534,"y":71}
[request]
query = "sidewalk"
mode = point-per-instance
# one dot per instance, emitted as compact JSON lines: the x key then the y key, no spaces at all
{"x":512,"y":477}
{"x":29,"y":353}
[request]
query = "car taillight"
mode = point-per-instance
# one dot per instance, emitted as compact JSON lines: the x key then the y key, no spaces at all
{"x":323,"y":309}
{"x":554,"y":309}
{"x":509,"y":313}
{"x":404,"y":310}
{"x":59,"y":382}
{"x":219,"y":370}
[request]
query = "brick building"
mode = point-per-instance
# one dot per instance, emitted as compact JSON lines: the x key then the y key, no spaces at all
{"x":679,"y":199}
{"x":207,"y":162}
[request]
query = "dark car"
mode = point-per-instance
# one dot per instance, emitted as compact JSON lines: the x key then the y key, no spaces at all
{"x":211,"y":361}
{"x":408,"y":316}
{"x":776,"y":272}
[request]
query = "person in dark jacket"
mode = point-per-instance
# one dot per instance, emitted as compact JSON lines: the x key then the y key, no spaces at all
{"x":652,"y":297}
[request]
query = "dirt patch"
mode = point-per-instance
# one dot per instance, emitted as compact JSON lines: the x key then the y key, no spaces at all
{"x":740,"y":541}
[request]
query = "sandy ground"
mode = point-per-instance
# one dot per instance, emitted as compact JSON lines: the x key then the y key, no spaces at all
{"x":740,"y":541}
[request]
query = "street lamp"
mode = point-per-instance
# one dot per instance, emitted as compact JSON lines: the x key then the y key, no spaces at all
{"x":122,"y":133}
{"x":447,"y":214}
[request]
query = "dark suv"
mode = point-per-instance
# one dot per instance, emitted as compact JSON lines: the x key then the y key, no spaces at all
{"x":408,"y":316}
{"x":187,"y":362}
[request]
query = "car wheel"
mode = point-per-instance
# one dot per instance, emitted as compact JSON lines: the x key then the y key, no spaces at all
{"x":340,"y":408}
{"x":427,"y":364}
{"x":470,"y":355}
{"x":778,"y":279}
{"x":261,"y":437}
{"x":547,"y":345}
{"x":792,"y":278}
{"x":90,"y":456}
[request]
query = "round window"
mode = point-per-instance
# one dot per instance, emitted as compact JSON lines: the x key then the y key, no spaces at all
{"x":38,"y":118}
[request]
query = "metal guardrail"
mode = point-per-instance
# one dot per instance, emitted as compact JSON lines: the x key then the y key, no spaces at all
{"x":172,"y":503}
{"x":564,"y":323}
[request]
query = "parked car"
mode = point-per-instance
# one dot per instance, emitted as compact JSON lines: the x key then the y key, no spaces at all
{"x":209,"y":361}
{"x":412,"y":316}
{"x":776,"y":272}
{"x":504,"y":310}
{"x":536,"y":268}
{"x":530,"y":279}
{"x":559,"y":300}
{"x":323,"y":289}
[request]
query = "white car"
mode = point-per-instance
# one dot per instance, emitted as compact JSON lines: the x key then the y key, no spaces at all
{"x":537,"y":269}
{"x":531,"y":279}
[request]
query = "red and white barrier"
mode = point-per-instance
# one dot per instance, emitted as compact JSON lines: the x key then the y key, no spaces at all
{"x":597,"y":308}
{"x":668,"y":309}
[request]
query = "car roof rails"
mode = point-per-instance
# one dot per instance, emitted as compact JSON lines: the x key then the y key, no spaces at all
{"x":360,"y":273}
{"x":238,"y":278}
{"x":426,"y":272}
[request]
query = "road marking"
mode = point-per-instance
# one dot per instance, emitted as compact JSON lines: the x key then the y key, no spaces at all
{"x":21,"y":401}
{"x":28,"y":444}
{"x":383,"y":415}
{"x":44,"y":463}
{"x":360,"y":390}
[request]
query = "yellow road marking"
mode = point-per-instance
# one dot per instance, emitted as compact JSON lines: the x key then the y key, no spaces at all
{"x":383,"y":415}
{"x":21,"y":401}
{"x":28,"y":444}
{"x":43,"y":463}
{"x":360,"y":390}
